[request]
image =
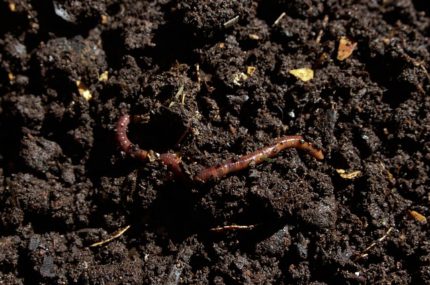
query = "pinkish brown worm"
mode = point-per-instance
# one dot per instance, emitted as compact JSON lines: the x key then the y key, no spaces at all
{"x":173,"y":161}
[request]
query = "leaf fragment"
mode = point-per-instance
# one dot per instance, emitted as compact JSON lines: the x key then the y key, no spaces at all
{"x":345,"y":49}
{"x":304,"y":74}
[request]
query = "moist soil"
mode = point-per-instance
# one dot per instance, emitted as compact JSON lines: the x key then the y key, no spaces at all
{"x":210,"y":81}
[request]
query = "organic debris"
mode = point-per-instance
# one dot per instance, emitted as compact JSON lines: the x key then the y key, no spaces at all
{"x":231,"y":22}
{"x":239,"y":78}
{"x":348,"y":175}
{"x":250,"y":70}
{"x":304,"y":74}
{"x":104,"y":76}
{"x":232,"y":228}
{"x":345,"y":49}
{"x":83,"y":90}
{"x":279,"y":19}
{"x":11,"y":77}
{"x":364,"y":253}
{"x":115,"y":235}
{"x":418,"y":217}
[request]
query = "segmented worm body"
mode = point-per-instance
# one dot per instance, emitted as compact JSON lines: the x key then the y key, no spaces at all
{"x":173,"y":162}
{"x":124,"y":142}
{"x":257,"y":157}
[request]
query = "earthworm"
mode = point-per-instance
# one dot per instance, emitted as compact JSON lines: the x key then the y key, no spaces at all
{"x":124,"y":142}
{"x":258,"y":156}
{"x":173,"y":162}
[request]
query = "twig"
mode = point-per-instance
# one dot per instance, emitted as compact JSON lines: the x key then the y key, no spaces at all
{"x":321,"y":32}
{"x":279,"y":19}
{"x":115,"y":235}
{"x":364,"y":253}
{"x":232,"y":228}
{"x":231,"y":22}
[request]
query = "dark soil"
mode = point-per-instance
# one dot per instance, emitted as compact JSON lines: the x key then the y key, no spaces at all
{"x":66,"y":185}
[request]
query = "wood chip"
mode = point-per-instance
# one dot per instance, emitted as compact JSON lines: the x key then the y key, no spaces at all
{"x":254,"y":37}
{"x":348,"y":175}
{"x":304,"y":74}
{"x":11,"y":77}
{"x":418,"y":217}
{"x":12,"y":6}
{"x":104,"y":76}
{"x":83,"y":90}
{"x":104,"y":19}
{"x":239,"y":78}
{"x":250,"y":70}
{"x":345,"y":49}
